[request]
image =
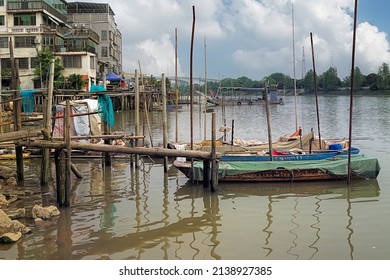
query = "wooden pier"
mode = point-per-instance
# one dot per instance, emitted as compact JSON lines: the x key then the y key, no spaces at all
{"x":42,"y":138}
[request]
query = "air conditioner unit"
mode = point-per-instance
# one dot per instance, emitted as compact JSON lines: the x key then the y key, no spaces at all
{"x":82,"y":25}
{"x":37,"y":41}
{"x":74,"y":25}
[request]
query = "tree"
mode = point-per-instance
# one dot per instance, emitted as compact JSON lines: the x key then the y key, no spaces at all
{"x":42,"y":68}
{"x":330,"y":81}
{"x":358,"y":81}
{"x":384,"y":76}
{"x":75,"y":81}
{"x":372,"y":80}
{"x":309,"y":81}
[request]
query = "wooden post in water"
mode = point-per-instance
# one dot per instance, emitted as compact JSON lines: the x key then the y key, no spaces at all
{"x":63,"y":162}
{"x":165,"y":128}
{"x":352,"y":89}
{"x":176,"y":91}
{"x":315,"y":89}
{"x":17,"y":111}
{"x":136,"y":115}
{"x":68,"y":162}
{"x":191,"y":82}
{"x":268,"y":123}
{"x":214,"y":167}
{"x":106,"y":155}
{"x":45,"y":165}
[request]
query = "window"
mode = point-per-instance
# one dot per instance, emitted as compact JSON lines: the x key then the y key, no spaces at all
{"x":25,"y":42}
{"x":1,"y":2}
{"x":104,"y":52}
{"x":5,"y":63}
{"x":4,"y":42}
{"x":23,"y":63}
{"x":71,"y":61}
{"x":33,"y":62}
{"x":48,"y":40}
{"x":2,"y":20}
{"x":92,"y":64}
{"x":103,"y":36}
{"x":24,"y":19}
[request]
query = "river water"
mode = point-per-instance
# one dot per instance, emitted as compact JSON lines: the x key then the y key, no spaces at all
{"x":121,"y":212}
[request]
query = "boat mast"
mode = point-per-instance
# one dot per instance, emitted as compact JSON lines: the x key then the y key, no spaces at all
{"x":295,"y":81}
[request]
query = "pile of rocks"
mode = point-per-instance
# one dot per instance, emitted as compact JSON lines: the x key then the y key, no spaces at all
{"x":11,"y":230}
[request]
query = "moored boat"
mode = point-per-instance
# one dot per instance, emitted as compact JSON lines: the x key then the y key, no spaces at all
{"x":334,"y":168}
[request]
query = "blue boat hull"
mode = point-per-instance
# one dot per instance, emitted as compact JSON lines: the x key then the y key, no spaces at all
{"x":316,"y":155}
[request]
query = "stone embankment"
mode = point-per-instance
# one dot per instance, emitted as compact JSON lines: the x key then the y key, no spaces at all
{"x":11,"y":229}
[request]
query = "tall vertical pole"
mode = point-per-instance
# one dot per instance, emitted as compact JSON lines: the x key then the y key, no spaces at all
{"x":205,"y":92}
{"x":214,"y":163}
{"x":15,"y":86}
{"x":45,"y":167}
{"x":315,"y":90}
{"x":165,"y":128}
{"x":1,"y":104}
{"x":268,"y":123}
{"x":295,"y":80}
{"x":136,"y":117}
{"x":191,"y":82}
{"x":352,"y":89}
{"x":176,"y":91}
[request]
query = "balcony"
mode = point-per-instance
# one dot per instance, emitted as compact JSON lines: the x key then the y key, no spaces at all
{"x":33,"y":6}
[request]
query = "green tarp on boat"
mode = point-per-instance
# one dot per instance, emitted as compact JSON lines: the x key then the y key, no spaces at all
{"x":361,"y":166}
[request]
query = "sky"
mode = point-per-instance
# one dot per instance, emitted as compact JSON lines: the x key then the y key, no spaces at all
{"x":252,"y":38}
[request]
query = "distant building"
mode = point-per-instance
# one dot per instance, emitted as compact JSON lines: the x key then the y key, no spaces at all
{"x":100,"y":18}
{"x":86,"y":40}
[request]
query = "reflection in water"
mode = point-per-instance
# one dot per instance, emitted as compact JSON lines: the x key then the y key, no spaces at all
{"x":268,"y":225}
{"x":121,"y":212}
{"x":315,"y":226}
{"x":292,"y":231}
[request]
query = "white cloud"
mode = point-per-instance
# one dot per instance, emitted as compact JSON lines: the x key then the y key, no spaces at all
{"x":245,"y":37}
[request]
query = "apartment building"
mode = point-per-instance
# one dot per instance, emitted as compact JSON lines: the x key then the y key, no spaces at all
{"x":33,"y":26}
{"x":99,"y":18}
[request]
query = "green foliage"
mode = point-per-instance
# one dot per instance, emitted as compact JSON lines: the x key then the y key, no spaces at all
{"x":330,"y":80}
{"x":384,"y":76}
{"x":42,"y":68}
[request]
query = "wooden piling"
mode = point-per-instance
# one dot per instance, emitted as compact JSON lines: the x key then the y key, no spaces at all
{"x":206,"y":173}
{"x":214,"y":167}
{"x":65,"y":201}
{"x":45,"y":165}
{"x":136,"y":113}
{"x":106,"y":155}
{"x":165,"y":129}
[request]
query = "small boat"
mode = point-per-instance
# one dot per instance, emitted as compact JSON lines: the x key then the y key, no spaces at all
{"x":288,"y":156}
{"x":334,"y":168}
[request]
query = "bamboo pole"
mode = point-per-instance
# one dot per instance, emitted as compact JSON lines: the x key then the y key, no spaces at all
{"x":165,"y":128}
{"x":15,"y":86}
{"x":315,"y":89}
{"x":205,"y":93}
{"x":214,"y":171}
{"x":68,"y":160}
{"x":176,"y":91}
{"x":45,"y":165}
{"x":157,"y":152}
{"x":268,"y":123}
{"x":191,"y":81}
{"x":352,"y":89}
{"x":136,"y":112}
